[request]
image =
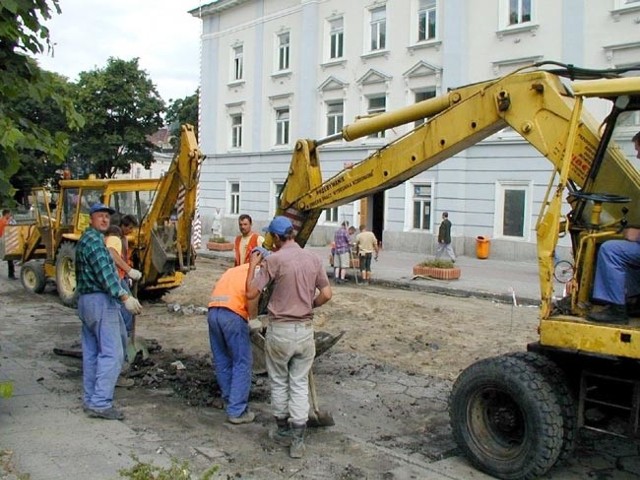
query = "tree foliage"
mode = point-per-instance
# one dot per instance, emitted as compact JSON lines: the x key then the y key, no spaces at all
{"x":36,"y":167}
{"x":21,"y":35}
{"x":181,"y":111}
{"x":121,"y":107}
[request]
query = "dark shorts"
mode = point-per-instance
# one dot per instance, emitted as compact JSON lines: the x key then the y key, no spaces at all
{"x":365,"y":262}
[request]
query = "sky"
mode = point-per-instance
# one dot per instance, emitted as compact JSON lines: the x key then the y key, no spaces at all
{"x":160,"y":33}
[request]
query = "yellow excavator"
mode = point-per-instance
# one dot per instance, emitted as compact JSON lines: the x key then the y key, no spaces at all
{"x":161,"y":245}
{"x":515,"y":416}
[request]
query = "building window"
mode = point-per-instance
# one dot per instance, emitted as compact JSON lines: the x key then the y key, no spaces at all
{"x":377,"y":105}
{"x":426,"y":20}
{"x":234,"y":198}
{"x":282,"y":126}
{"x":519,"y":11}
{"x":283,"y":51}
{"x":378,"y":28}
{"x":422,"y":206}
{"x":335,"y":117}
{"x":238,"y":62}
{"x":419,"y":97}
{"x":337,"y":38}
{"x":512,"y":209}
{"x":331,"y":215}
{"x":236,"y":131}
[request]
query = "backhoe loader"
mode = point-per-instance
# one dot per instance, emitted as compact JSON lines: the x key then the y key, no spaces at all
{"x":161,"y":245}
{"x":515,"y":416}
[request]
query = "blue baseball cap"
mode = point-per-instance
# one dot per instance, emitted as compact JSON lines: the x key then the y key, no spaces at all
{"x":279,"y":225}
{"x":263,"y":251}
{"x":101,"y":207}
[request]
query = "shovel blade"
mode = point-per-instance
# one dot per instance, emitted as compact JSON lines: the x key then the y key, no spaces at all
{"x":320,"y":418}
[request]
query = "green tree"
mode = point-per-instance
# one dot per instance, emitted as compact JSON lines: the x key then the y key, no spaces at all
{"x":121,"y":107}
{"x":36,"y":168}
{"x":21,"y":35}
{"x":181,"y":111}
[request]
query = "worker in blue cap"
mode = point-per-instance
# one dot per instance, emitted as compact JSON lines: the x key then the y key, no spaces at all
{"x":300,"y":284}
{"x":104,"y":335}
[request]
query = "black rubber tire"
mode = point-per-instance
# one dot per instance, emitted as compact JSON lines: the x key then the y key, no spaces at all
{"x":32,"y":276}
{"x":66,"y":274}
{"x":506,"y":419}
{"x":565,"y":396}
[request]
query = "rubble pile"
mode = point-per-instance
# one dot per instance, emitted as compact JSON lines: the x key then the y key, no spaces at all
{"x":191,"y":377}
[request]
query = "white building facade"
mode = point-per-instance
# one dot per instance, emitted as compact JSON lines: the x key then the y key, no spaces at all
{"x":274,"y":71}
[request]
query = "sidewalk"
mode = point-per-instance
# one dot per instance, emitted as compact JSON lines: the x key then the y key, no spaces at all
{"x":493,"y":279}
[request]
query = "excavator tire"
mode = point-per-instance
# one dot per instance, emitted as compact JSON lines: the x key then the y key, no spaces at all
{"x":506,"y":419}
{"x":564,"y":394}
{"x":66,"y":274}
{"x":32,"y":276}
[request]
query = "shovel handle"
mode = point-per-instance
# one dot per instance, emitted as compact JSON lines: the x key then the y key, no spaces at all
{"x":312,"y":391}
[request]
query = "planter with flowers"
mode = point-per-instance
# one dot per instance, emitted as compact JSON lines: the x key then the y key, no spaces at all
{"x":219,"y":244}
{"x":438,"y":269}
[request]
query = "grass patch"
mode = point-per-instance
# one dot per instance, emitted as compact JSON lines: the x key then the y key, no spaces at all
{"x":177,"y":471}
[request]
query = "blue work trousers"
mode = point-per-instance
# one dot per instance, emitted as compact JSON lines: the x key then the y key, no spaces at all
{"x":229,"y":336}
{"x":104,"y":340}
{"x":617,"y":271}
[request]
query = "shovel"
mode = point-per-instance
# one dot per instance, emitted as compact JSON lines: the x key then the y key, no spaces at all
{"x":135,"y":345}
{"x":317,"y":417}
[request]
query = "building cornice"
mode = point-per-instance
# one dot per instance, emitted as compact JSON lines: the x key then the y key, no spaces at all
{"x":216,"y":7}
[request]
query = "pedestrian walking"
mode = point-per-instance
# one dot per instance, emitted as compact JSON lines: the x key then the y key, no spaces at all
{"x":104,"y":337}
{"x":295,"y":275}
{"x":229,"y":337}
{"x":341,"y":257}
{"x":366,"y":246}
{"x":444,"y":238}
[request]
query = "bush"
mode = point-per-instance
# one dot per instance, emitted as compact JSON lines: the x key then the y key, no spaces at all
{"x":437,"y":263}
{"x":218,"y":240}
{"x":177,"y":471}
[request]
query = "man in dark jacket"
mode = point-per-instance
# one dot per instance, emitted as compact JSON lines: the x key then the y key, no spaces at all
{"x":444,"y":238}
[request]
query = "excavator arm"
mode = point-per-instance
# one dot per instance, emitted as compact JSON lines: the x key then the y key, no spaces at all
{"x":544,"y":109}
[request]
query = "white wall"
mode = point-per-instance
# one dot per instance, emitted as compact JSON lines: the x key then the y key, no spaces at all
{"x":473,"y":44}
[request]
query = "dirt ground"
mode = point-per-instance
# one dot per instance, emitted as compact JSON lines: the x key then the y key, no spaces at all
{"x":421,"y":333}
{"x":385,"y":382}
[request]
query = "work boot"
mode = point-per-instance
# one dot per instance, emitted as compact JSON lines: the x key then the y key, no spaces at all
{"x":246,"y":417}
{"x":110,"y":413}
{"x":282,"y":434}
{"x":296,"y":450}
{"x":125,"y":382}
{"x":612,"y":313}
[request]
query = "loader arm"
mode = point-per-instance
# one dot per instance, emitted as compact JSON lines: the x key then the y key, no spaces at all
{"x":167,"y":244}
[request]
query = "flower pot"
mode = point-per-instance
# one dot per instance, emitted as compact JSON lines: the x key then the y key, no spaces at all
{"x":437,"y":272}
{"x":220,"y":247}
